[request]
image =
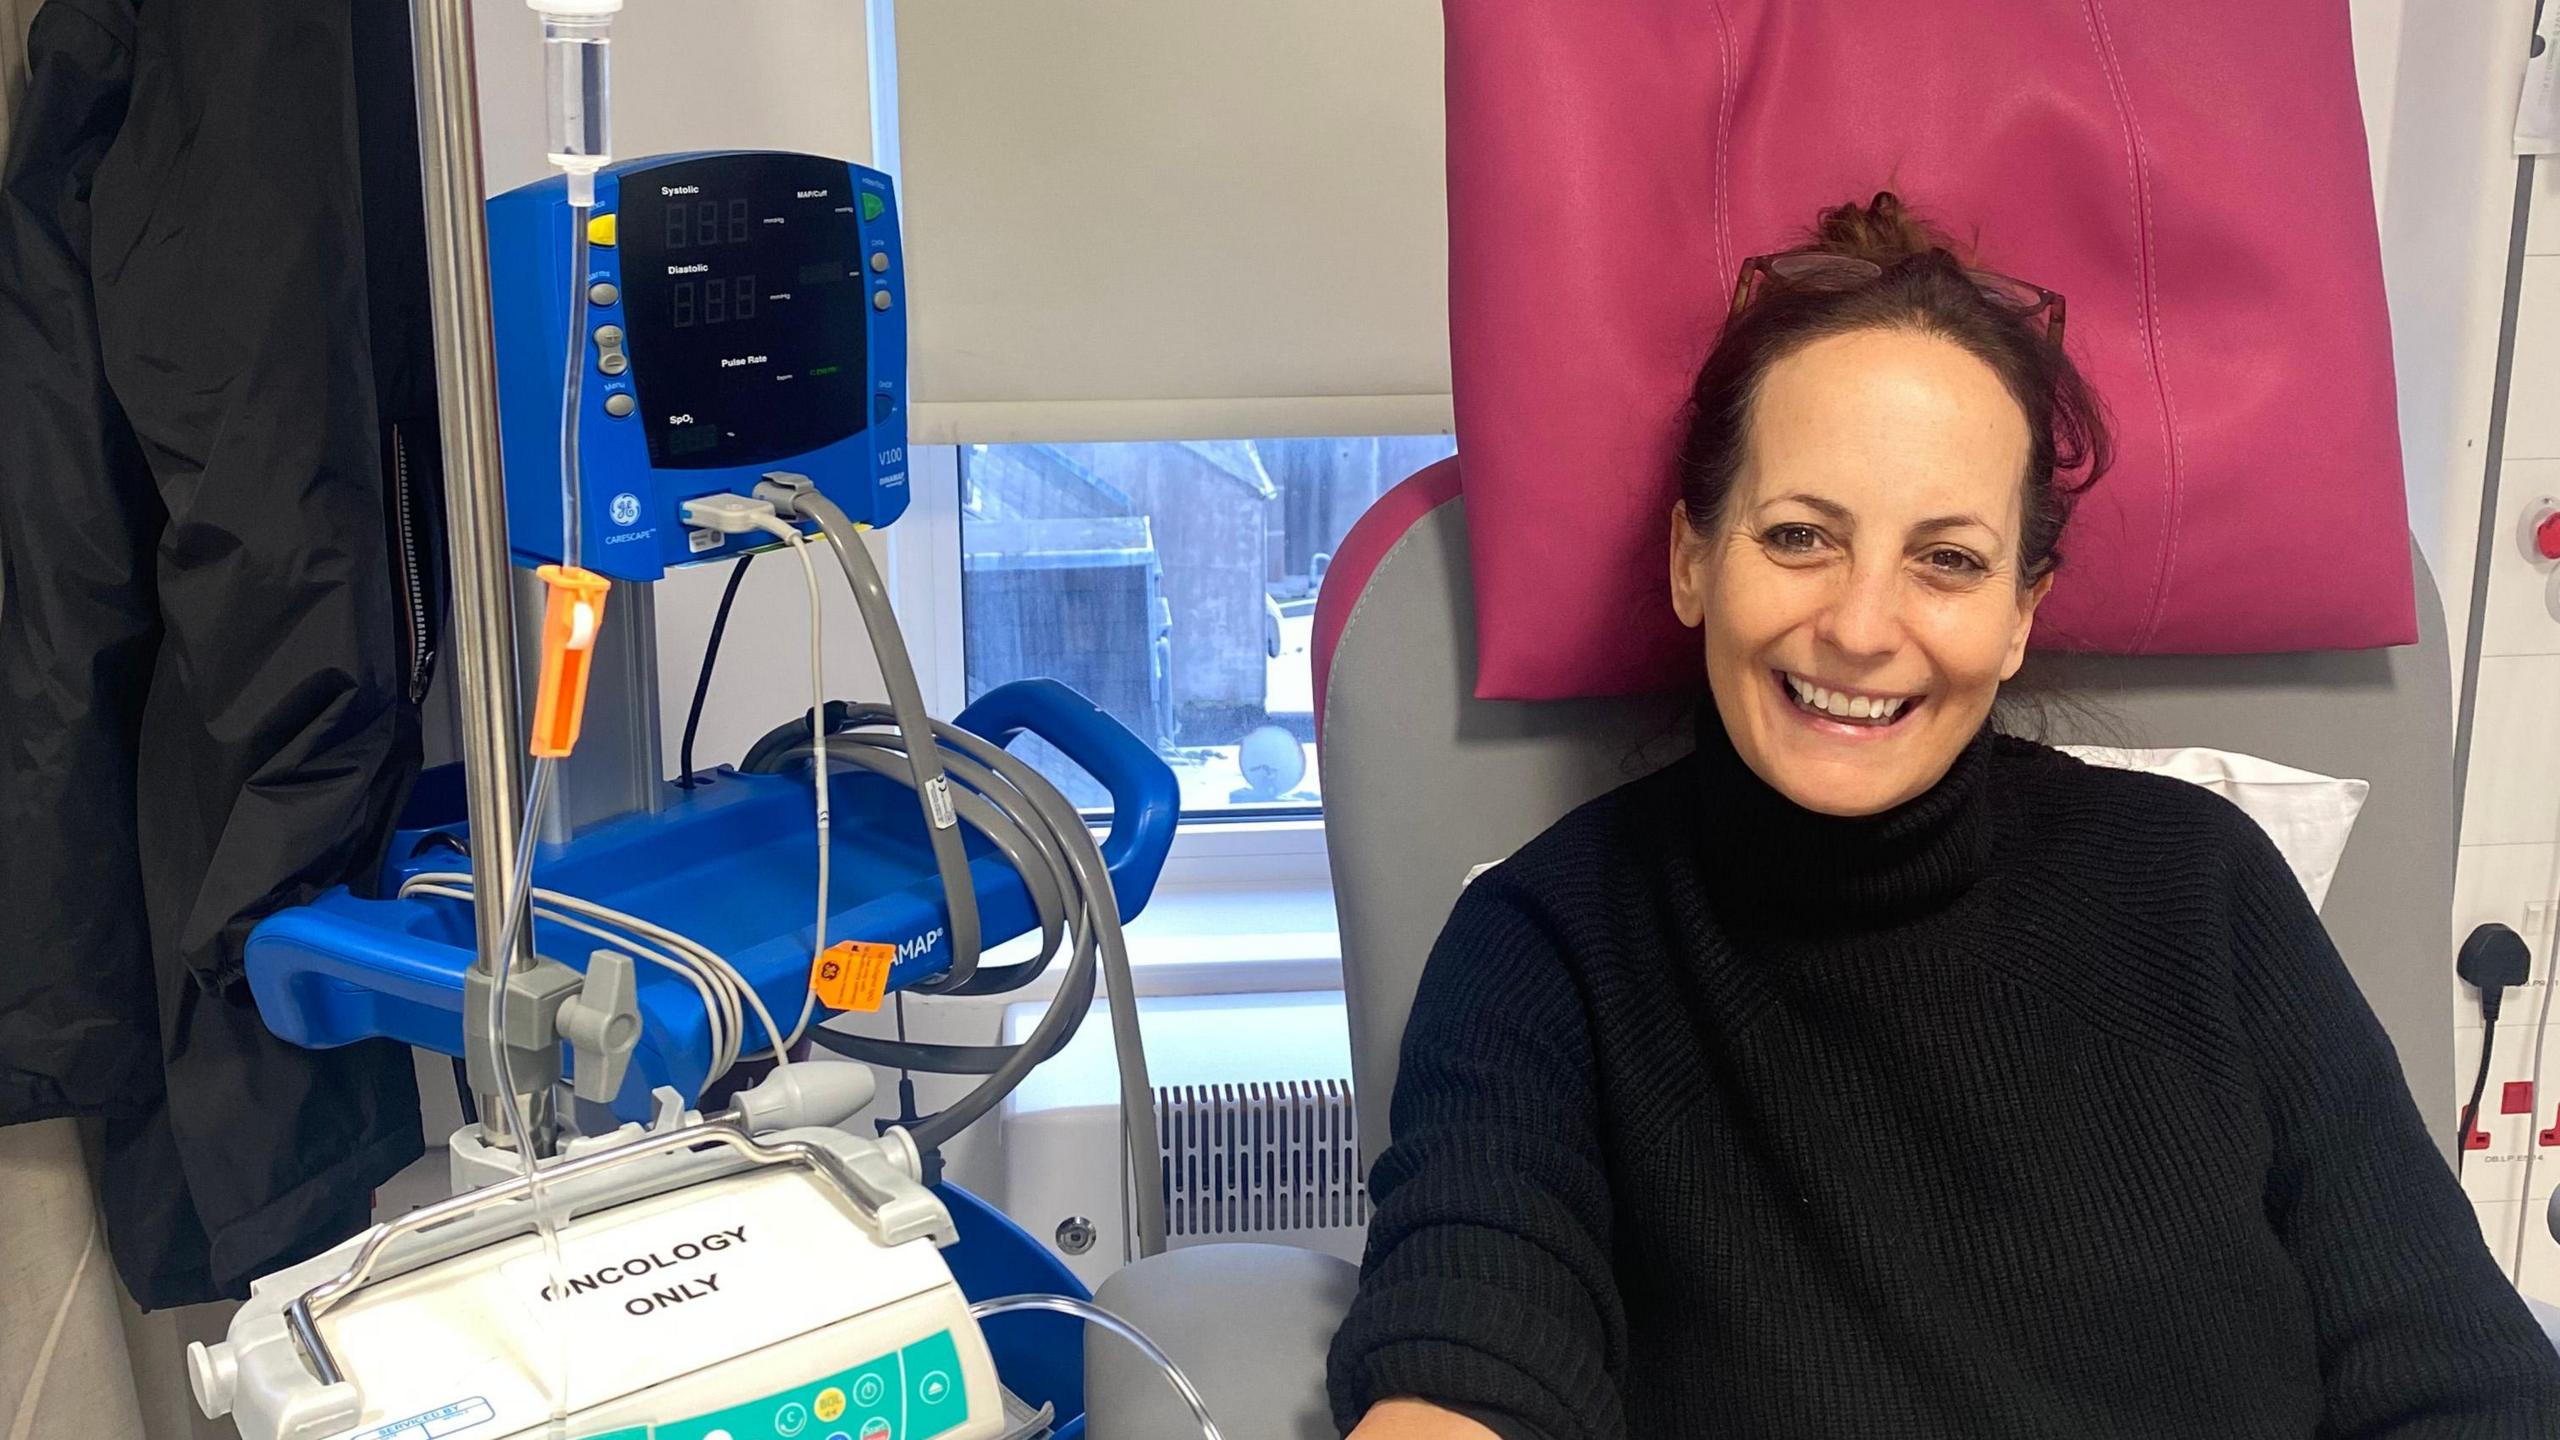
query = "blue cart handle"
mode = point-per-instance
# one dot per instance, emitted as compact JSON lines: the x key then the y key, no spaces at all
{"x":1146,"y":803}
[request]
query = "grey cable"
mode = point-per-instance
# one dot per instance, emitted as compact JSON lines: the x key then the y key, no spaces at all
{"x":906,"y":698}
{"x":1071,"y":864}
{"x":1099,"y":936}
{"x":1006,"y":1065}
{"x":1002,"y":794}
{"x":1043,"y":869}
{"x":1095,"y":1315}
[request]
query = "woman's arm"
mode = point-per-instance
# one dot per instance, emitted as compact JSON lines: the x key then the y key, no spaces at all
{"x":1418,"y":1420}
{"x":1488,"y":1288}
{"x":2419,"y":1333}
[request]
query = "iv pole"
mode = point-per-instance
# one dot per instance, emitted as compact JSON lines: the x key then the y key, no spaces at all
{"x":475,"y":505}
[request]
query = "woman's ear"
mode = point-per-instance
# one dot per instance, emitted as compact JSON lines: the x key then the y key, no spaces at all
{"x":2028,"y":600}
{"x":1688,"y":582}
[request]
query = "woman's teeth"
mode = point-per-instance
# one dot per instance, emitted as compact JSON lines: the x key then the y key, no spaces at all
{"x":1840,"y":705}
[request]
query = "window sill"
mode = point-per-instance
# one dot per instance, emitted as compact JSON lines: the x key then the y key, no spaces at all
{"x":1222,"y":938}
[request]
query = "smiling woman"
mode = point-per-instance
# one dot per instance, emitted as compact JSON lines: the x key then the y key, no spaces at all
{"x":1869,"y":1071}
{"x":1883,"y":450}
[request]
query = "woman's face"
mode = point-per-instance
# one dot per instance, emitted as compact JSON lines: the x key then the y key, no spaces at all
{"x":1861,"y":601}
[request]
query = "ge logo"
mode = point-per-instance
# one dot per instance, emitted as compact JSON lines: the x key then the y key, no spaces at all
{"x":626,"y":508}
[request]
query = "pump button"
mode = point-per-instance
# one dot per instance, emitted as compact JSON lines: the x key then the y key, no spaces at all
{"x":601,"y":230}
{"x":872,"y":206}
{"x":602,"y":293}
{"x":620,"y":404}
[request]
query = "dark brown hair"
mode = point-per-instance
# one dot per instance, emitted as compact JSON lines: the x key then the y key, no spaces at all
{"x":1924,"y":287}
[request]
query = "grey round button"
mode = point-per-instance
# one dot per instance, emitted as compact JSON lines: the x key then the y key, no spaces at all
{"x":613,"y":362}
{"x":879,"y":262}
{"x":602,"y":293}
{"x":619,"y":404}
{"x":608,"y":336}
{"x":879,"y":299}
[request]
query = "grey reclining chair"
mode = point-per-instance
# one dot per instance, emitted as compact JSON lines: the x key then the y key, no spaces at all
{"x":1423,"y":783}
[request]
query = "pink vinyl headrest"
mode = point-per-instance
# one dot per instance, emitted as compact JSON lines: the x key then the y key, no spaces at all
{"x":2191,"y":174}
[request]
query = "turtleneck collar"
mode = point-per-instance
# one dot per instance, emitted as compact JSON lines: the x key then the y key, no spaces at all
{"x":1763,"y":854}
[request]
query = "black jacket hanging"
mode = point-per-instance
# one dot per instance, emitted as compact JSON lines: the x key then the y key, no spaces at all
{"x":215,"y":609}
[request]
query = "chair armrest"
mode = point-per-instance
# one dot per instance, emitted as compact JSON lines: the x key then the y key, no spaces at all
{"x":1250,"y":1324}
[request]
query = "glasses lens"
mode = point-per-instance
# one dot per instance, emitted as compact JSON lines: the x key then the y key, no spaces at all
{"x":2007,"y":292}
{"x":1818,"y":269}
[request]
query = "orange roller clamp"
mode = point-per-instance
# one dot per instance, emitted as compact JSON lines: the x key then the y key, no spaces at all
{"x":572,"y":617}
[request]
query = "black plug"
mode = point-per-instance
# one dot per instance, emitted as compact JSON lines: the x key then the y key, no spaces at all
{"x":2493,"y":959}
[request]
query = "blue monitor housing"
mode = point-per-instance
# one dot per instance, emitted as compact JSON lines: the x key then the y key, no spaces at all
{"x":746,"y":313}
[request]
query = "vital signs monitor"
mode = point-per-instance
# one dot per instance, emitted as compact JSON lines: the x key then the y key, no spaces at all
{"x":745,"y":312}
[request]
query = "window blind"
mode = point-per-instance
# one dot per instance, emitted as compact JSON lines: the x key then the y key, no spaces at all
{"x":1168,"y":219}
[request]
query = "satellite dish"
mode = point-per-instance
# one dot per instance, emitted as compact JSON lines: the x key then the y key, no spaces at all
{"x":1273,"y":763}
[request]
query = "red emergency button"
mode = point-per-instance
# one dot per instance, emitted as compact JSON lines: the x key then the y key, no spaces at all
{"x":2546,"y":533}
{"x":2517,"y":1099}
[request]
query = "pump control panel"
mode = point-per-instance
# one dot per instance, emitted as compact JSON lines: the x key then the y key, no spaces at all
{"x":739,"y":313}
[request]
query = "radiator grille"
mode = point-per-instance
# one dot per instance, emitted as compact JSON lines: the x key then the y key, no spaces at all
{"x":1255,"y":1159}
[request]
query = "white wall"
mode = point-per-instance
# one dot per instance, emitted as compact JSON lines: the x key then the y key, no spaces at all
{"x":2441,"y":86}
{"x":2511,"y":821}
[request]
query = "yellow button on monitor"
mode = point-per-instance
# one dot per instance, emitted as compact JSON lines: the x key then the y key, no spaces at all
{"x":830,"y":1406}
{"x":600,"y":229}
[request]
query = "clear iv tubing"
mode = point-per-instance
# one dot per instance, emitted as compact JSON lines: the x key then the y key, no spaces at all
{"x":519,"y":896}
{"x":520,"y":1114}
{"x":573,"y":392}
{"x":1093,"y":1314}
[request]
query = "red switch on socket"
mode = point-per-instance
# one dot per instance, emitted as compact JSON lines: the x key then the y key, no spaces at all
{"x":2551,"y":1136}
{"x":2546,"y":533}
{"x":2477,"y":1138}
{"x":2517,"y":1098}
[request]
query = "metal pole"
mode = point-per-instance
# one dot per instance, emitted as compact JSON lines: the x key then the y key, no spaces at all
{"x":475,"y":492}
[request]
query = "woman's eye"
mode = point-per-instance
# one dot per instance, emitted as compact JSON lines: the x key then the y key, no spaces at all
{"x":1793,"y":538}
{"x":1949,"y":560}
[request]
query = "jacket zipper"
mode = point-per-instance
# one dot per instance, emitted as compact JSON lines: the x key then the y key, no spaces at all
{"x":412,"y":588}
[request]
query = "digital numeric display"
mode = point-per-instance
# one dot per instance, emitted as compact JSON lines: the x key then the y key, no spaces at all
{"x":745,"y":307}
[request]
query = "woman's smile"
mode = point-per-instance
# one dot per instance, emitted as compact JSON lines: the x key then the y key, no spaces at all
{"x":1851,"y":714}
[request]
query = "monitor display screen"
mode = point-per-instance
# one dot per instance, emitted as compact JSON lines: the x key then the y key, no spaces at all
{"x":744,"y":307}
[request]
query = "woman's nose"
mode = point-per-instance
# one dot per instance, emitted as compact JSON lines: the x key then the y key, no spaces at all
{"x":1864,"y":618}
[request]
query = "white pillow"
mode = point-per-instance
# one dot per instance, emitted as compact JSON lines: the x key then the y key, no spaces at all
{"x":2308,"y":816}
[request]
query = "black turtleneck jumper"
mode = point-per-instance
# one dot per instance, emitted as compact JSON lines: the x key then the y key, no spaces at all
{"x":2039,"y":1106}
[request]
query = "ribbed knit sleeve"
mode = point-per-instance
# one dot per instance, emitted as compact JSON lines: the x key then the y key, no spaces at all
{"x":1488,"y":1286}
{"x":2418,"y":1333}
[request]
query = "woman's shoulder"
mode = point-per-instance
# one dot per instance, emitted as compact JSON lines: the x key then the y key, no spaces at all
{"x":1592,"y":848}
{"x":2066,"y":800}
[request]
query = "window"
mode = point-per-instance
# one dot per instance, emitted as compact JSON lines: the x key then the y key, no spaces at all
{"x":1174,"y":584}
